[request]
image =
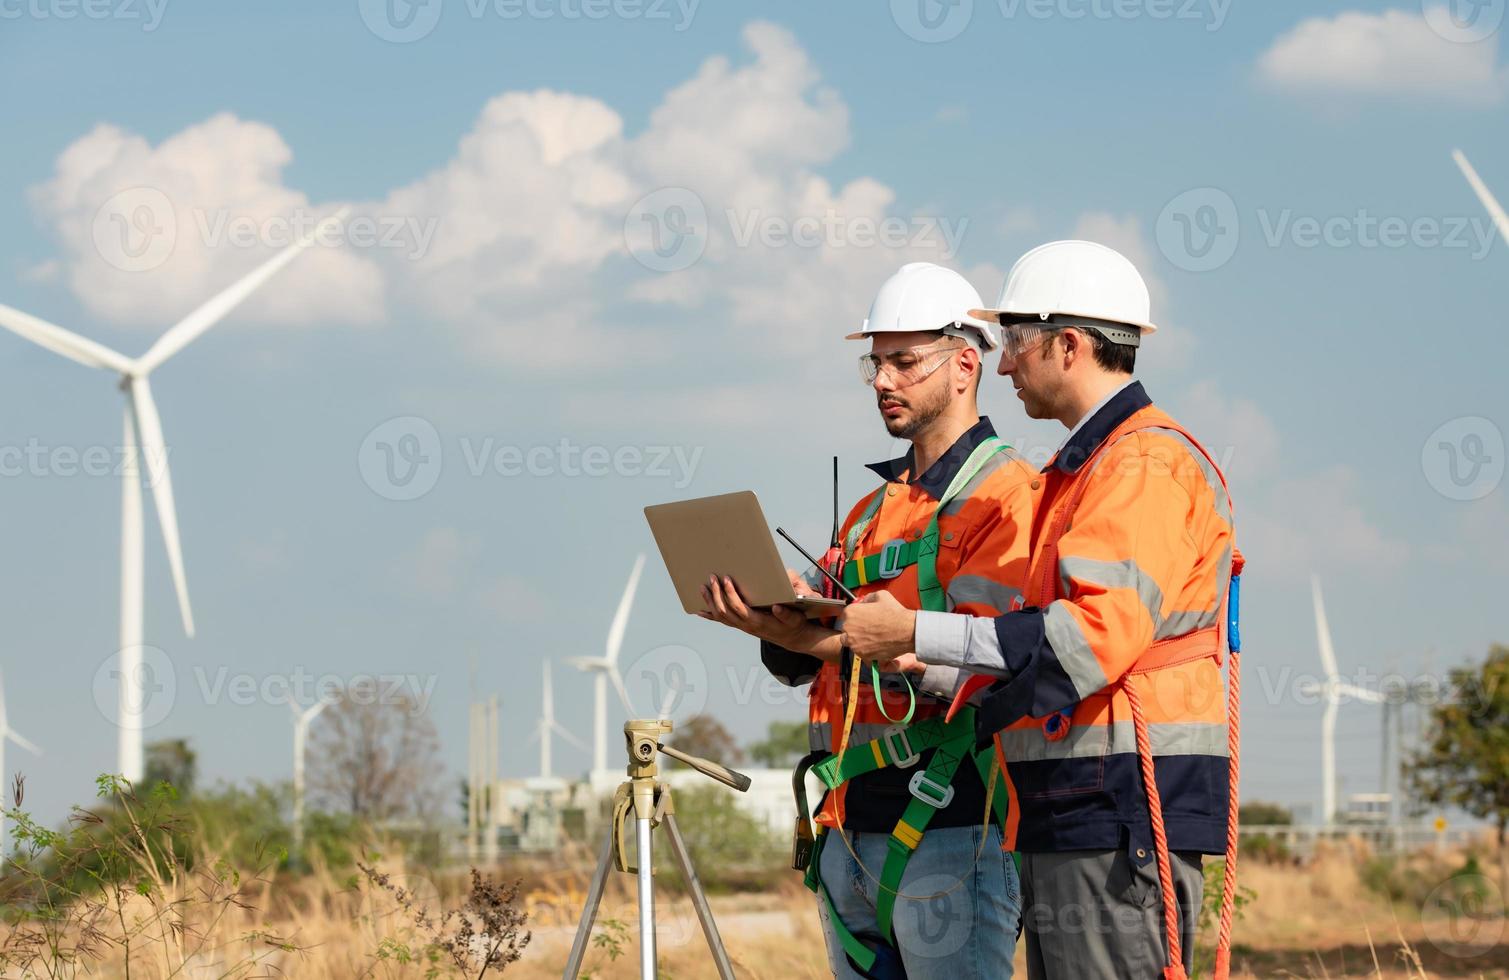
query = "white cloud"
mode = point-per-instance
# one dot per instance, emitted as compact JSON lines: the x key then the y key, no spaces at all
{"x":184,"y":196}
{"x":528,"y":263}
{"x":1395,"y":52}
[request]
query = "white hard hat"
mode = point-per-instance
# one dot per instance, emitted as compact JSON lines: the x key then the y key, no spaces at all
{"x":924,"y":296}
{"x":1073,"y":281}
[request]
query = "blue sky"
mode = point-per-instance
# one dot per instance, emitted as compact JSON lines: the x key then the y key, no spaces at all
{"x":1343,"y":303}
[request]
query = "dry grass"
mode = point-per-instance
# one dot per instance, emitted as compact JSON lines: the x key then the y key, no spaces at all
{"x":1319,"y":921}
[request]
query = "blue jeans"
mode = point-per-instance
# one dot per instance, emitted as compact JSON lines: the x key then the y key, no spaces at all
{"x":970,"y":931}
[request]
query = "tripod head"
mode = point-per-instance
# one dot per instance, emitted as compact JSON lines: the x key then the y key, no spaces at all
{"x":642,"y":738}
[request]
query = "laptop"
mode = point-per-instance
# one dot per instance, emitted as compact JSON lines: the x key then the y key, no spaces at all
{"x":726,"y":535}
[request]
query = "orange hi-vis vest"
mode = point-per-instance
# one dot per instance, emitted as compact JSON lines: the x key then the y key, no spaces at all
{"x":981,"y":564}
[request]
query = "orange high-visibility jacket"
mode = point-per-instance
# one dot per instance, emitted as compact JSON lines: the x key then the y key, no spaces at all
{"x":1147,"y":557}
{"x":982,"y":564}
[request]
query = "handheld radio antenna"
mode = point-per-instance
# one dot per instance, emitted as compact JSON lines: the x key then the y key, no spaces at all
{"x":834,"y":543}
{"x":820,"y":567}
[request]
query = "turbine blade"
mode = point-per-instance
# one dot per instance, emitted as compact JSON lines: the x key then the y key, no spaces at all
{"x":3,"y":725}
{"x":65,"y":342}
{"x":568,"y":735}
{"x":1500,"y":219}
{"x":216,"y":307}
{"x":1361,"y":693}
{"x":621,"y":617}
{"x":154,"y":457}
{"x":549,"y":704}
{"x":623,"y":692}
{"x":15,"y":737}
{"x":1323,"y":631}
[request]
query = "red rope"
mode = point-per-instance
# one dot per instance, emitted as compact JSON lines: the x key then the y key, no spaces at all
{"x":1175,"y":968}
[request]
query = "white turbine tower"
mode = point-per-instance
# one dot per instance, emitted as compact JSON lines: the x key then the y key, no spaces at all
{"x":143,"y":440}
{"x":548,"y":726}
{"x":606,"y":668}
{"x":1333,"y":689}
{"x":302,"y":717}
{"x":8,"y":734}
{"x":1500,"y":219}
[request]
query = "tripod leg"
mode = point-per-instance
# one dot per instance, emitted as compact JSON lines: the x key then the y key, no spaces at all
{"x":699,"y":899}
{"x":589,"y":911}
{"x":646,"y":899}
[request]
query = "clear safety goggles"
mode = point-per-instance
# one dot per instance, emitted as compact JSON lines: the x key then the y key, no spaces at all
{"x":1018,"y":338}
{"x":909,"y":365}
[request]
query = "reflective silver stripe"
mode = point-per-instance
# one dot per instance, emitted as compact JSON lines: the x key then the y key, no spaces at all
{"x":1124,"y":574}
{"x":819,"y":736}
{"x":982,"y":590}
{"x":1000,"y":459}
{"x":1184,"y":621}
{"x":1073,"y":651}
{"x":1094,"y":741}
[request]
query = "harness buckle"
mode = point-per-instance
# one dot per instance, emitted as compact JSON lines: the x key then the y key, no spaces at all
{"x":930,"y":791}
{"x":895,"y":739}
{"x":889,"y":565}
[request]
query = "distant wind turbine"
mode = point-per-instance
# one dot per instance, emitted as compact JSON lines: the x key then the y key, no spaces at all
{"x":1500,"y":219}
{"x":302,"y":717}
{"x":606,"y":669}
{"x":549,"y":727}
{"x":143,"y":440}
{"x":8,"y":734}
{"x":1333,"y":689}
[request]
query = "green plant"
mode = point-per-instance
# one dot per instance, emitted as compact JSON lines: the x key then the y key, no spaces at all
{"x":125,"y":879}
{"x":1210,"y":915}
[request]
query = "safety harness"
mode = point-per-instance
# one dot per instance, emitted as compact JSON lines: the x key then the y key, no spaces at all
{"x":902,"y":744}
{"x":1162,"y":655}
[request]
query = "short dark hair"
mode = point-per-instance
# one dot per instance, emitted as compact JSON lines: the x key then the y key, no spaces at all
{"x":1113,"y":357}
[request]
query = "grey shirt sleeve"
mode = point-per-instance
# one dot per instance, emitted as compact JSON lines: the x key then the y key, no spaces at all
{"x":967,"y":643}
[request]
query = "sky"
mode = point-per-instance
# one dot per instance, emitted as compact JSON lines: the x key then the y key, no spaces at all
{"x":602,"y":254}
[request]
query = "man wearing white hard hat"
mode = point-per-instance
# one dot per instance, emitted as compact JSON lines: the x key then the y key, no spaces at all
{"x":1104,"y":689}
{"x":908,"y":865}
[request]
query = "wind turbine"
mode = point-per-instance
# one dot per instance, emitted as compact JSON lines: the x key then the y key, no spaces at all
{"x":606,"y":669}
{"x":6,"y":732}
{"x":1500,"y":219}
{"x":1333,"y":689}
{"x":301,"y":720}
{"x":548,"y":726}
{"x":143,"y":439}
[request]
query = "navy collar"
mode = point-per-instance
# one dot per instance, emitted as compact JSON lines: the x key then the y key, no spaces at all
{"x":1098,"y":427}
{"x":938,"y":476}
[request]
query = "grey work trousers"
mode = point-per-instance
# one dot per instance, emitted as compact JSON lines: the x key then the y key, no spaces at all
{"x":1090,"y":915}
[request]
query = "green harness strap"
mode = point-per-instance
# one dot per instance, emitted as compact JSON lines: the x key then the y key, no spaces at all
{"x":901,"y":745}
{"x":898,"y":554}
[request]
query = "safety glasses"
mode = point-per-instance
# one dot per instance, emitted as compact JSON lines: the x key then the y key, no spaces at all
{"x":1018,"y":338}
{"x":909,"y":365}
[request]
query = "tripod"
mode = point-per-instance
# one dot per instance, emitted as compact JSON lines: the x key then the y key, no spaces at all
{"x":652,"y":807}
